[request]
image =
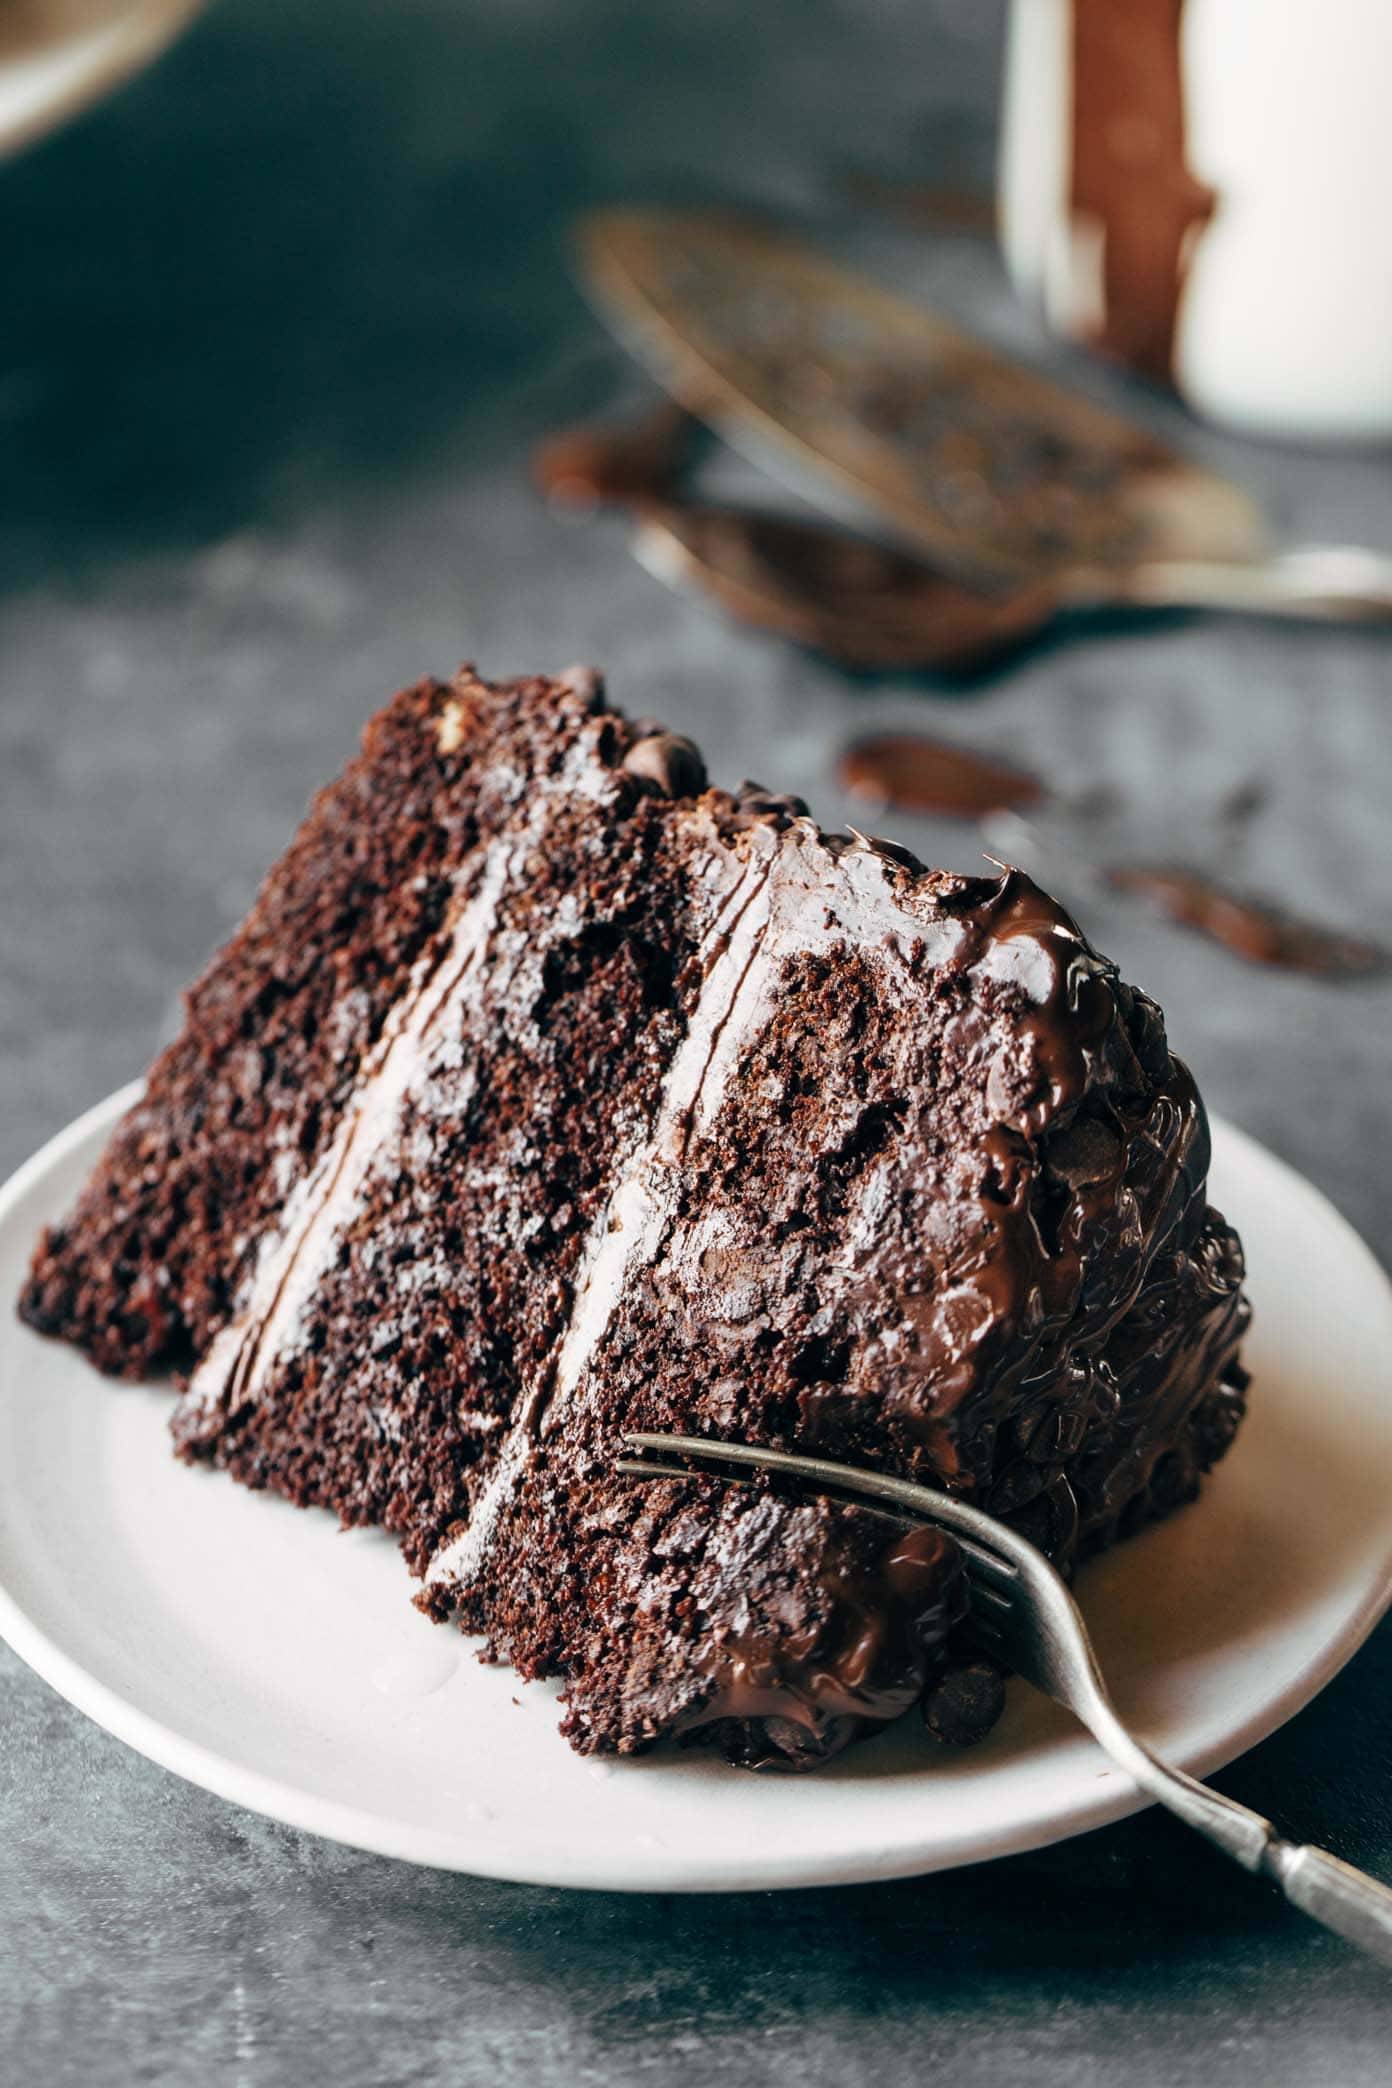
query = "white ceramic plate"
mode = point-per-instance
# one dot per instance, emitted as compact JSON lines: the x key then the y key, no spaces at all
{"x":56,"y":56}
{"x":258,"y":1651}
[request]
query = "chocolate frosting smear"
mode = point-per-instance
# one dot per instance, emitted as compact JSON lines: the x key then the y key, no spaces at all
{"x":1249,"y":926}
{"x":920,"y":774}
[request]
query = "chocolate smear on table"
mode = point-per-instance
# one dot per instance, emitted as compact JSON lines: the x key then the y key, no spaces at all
{"x":863,"y":604}
{"x":1251,"y":928}
{"x":913,"y":773}
{"x":932,"y":206}
{"x":594,"y":466}
{"x":1238,"y":806}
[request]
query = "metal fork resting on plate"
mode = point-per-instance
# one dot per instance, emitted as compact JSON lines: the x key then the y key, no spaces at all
{"x":1022,"y":1613}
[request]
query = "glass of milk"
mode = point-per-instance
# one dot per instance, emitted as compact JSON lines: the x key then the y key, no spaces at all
{"x":1202,"y":189}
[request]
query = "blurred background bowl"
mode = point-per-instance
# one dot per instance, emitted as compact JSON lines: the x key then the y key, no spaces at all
{"x":57,"y":56}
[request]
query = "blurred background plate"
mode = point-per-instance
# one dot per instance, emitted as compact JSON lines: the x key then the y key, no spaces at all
{"x":56,"y":56}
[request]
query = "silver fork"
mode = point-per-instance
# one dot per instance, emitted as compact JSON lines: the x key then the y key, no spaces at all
{"x":1022,"y":1613}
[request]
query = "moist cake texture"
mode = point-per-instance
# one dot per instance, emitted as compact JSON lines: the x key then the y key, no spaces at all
{"x":548,"y":1093}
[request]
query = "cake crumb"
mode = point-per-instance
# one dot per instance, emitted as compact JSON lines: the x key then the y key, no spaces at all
{"x":449,"y":727}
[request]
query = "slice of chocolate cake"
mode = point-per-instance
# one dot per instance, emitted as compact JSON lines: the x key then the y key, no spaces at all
{"x":546,"y":1093}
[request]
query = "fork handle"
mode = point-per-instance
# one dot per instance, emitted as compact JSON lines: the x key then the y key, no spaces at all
{"x":1346,"y":1900}
{"x":1332,"y":1892}
{"x":1340,"y":583}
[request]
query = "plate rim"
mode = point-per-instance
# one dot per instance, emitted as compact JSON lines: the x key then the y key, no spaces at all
{"x":291,"y":1805}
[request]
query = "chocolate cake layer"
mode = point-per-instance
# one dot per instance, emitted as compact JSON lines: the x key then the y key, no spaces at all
{"x":409,"y":1305}
{"x":587,"y":1098}
{"x":245,"y":1102}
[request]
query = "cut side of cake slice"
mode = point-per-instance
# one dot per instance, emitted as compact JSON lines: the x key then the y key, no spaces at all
{"x":546,"y":1094}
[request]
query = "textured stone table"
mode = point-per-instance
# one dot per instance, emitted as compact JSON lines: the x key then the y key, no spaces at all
{"x":278,"y":324}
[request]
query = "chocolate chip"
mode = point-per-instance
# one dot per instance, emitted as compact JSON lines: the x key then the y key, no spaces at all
{"x":1215,"y":1421}
{"x":961,"y":1707}
{"x":585,"y":682}
{"x":758,"y":803}
{"x":670,"y":762}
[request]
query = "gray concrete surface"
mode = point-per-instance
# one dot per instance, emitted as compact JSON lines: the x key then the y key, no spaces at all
{"x":277,"y":325}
